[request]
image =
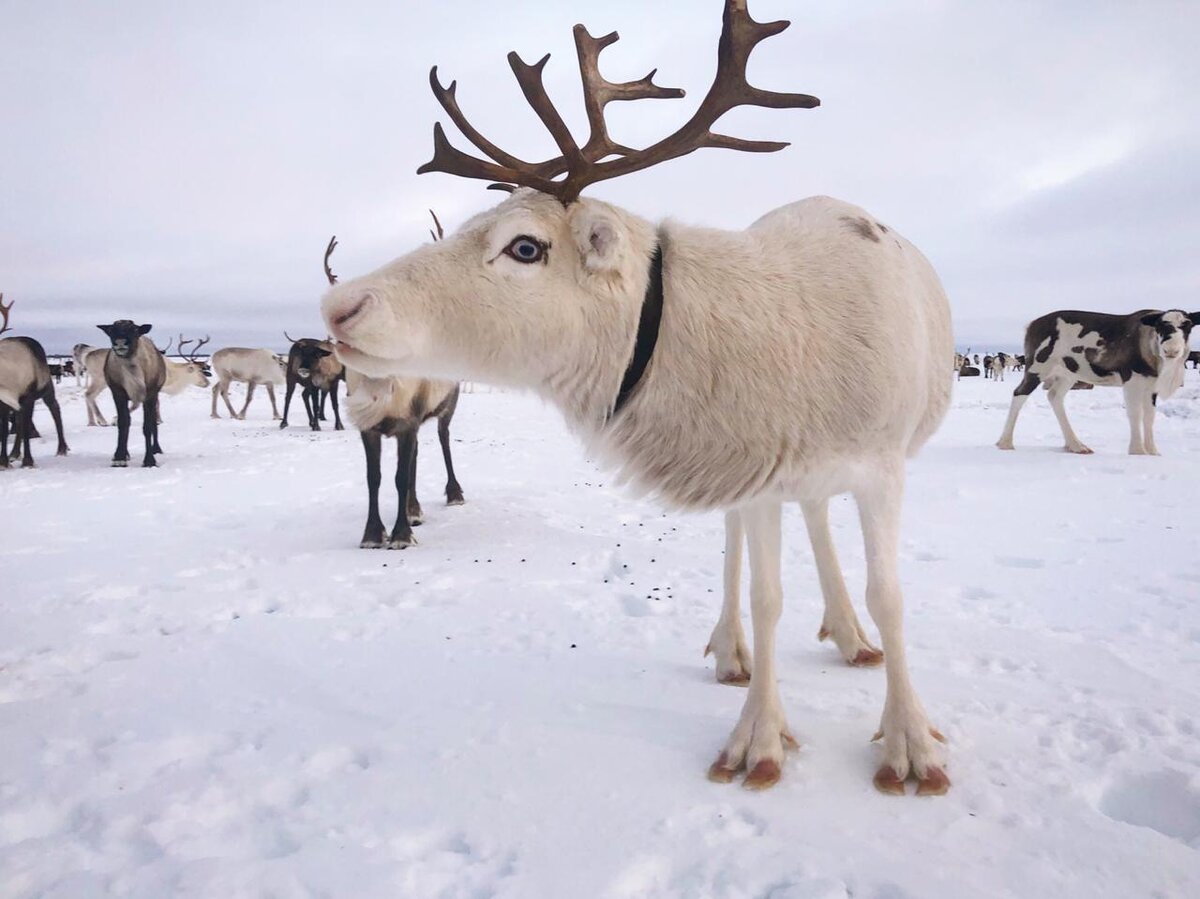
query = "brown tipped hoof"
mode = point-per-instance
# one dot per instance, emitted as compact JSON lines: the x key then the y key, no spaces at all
{"x":867,"y":658}
{"x":937,"y":735}
{"x":823,"y":634}
{"x":886,"y":781}
{"x":934,"y":783}
{"x":739,"y":679}
{"x":789,"y":742}
{"x":720,"y":772}
{"x":763,"y":776}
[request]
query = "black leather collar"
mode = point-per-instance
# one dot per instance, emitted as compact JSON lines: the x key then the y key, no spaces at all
{"x":647,"y":333}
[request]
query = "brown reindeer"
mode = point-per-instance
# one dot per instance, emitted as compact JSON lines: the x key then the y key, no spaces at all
{"x":135,"y":372}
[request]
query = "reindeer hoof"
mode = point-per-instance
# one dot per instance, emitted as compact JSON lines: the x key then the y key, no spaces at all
{"x":120,"y":463}
{"x":371,"y":544}
{"x":734,"y":679}
{"x":282,"y":425}
{"x":934,"y":783}
{"x":455,"y":500}
{"x":887,"y":781}
{"x":763,"y":776}
{"x":867,"y":658}
{"x":721,"y":772}
{"x":402,"y":542}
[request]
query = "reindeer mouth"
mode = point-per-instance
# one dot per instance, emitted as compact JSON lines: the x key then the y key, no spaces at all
{"x":368,"y":364}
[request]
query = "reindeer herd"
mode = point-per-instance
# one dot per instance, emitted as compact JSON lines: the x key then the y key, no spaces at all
{"x":707,"y":366}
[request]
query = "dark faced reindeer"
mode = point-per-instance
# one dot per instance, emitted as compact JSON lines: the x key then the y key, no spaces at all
{"x":135,"y":372}
{"x":650,"y":337}
{"x":397,"y":407}
{"x":24,"y":379}
{"x":312,"y":365}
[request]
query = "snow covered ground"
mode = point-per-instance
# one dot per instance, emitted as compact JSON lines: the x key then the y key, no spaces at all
{"x":207,"y":689}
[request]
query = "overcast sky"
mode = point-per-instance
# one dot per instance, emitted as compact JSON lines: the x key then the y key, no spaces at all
{"x":184,"y":163}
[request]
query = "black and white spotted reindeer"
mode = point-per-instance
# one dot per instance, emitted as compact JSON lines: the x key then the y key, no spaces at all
{"x":1143,"y":353}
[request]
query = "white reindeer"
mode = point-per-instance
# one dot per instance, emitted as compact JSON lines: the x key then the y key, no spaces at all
{"x":250,"y":367}
{"x":732,"y":370}
{"x":180,"y":375}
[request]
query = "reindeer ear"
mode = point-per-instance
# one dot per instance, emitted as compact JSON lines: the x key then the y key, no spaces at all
{"x":599,"y":238}
{"x":1152,"y":319}
{"x":107,"y":329}
{"x":144,"y":329}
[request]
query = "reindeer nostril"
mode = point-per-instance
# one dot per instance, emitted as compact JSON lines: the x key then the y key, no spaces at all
{"x":353,"y":311}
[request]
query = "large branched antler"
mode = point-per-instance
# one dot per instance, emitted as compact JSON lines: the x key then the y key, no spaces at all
{"x":190,"y":356}
{"x":600,"y":158}
{"x":4,"y":310}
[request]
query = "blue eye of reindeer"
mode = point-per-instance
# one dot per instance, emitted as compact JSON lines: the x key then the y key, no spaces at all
{"x":526,"y":249}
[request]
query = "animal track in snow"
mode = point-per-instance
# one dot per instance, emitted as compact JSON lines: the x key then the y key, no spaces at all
{"x":1166,"y":801}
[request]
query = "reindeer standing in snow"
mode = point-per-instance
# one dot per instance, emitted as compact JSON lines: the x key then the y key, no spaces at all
{"x":709,"y":366}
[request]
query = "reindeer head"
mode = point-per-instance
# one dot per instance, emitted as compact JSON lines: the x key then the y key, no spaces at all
{"x":1171,"y":331}
{"x":124,"y":335}
{"x":497,"y":299}
{"x":196,"y":368}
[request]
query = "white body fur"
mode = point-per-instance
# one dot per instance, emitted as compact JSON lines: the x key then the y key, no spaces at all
{"x":250,"y":367}
{"x":79,"y":354}
{"x":747,"y":401}
{"x":178,"y":377}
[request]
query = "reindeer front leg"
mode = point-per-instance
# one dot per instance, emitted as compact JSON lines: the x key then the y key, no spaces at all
{"x":372,"y":449}
{"x":402,"y":535}
{"x":1134,"y":392}
{"x":121,"y":456}
{"x":333,"y":398}
{"x":454,"y":493}
{"x":271,"y":395}
{"x":287,"y":403}
{"x":758,"y":741}
{"x":149,"y":426}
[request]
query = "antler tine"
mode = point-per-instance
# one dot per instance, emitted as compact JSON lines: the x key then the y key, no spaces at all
{"x":598,"y":92}
{"x":440,"y":233}
{"x":289,"y":338}
{"x":180,"y":344}
{"x":529,"y":77}
{"x":446,"y":97}
{"x":4,"y":312}
{"x":329,"y":252}
{"x":167,"y":350}
{"x":452,"y":161}
{"x":195,"y":352}
{"x":740,"y":34}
